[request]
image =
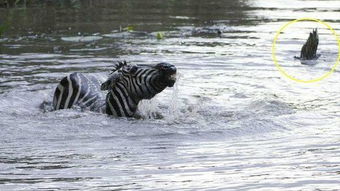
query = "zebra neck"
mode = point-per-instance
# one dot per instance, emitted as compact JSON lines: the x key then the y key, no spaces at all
{"x":120,"y":103}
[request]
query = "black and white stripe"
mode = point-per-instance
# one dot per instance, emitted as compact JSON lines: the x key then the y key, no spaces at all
{"x":78,"y":89}
{"x":126,"y":87}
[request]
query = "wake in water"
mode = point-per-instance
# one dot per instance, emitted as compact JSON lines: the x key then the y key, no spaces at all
{"x":169,"y":109}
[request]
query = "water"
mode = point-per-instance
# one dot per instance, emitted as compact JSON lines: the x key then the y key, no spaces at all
{"x":232,"y":122}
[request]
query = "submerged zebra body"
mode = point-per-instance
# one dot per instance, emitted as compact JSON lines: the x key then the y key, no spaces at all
{"x":126,"y":87}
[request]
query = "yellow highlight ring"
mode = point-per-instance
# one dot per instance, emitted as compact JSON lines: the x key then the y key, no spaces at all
{"x":283,"y":72}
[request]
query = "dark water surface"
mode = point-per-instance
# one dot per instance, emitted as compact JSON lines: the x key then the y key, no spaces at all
{"x":232,"y":122}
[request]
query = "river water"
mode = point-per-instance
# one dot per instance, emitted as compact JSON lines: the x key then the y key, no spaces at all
{"x":232,"y":121}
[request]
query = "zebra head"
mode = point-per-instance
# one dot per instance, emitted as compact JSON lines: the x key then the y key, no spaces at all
{"x":140,"y":81}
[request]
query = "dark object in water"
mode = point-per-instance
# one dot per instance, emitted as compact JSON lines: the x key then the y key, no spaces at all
{"x":308,"y":50}
{"x":207,"y":31}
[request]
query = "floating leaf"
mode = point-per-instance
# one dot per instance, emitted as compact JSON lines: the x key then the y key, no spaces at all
{"x":128,"y":28}
{"x":160,"y":35}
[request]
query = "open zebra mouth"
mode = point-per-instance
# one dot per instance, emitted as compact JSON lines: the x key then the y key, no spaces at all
{"x":173,"y":77}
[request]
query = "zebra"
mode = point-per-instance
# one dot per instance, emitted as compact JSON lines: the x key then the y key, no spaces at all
{"x":126,"y":86}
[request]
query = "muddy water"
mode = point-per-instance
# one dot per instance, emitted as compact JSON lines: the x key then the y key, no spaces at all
{"x":232,"y":122}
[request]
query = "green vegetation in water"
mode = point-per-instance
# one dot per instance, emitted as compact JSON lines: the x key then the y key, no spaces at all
{"x":160,"y":35}
{"x":128,"y":29}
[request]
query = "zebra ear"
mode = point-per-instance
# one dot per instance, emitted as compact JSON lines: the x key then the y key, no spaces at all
{"x":111,"y":81}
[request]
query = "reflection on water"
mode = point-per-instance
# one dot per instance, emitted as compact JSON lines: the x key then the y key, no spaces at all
{"x":105,"y":16}
{"x":232,"y":121}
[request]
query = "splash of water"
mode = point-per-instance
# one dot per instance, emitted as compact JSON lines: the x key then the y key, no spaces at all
{"x":153,"y":109}
{"x":149,"y":109}
{"x":174,"y":112}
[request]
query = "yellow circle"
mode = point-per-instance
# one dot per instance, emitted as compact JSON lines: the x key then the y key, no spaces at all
{"x":283,"y":72}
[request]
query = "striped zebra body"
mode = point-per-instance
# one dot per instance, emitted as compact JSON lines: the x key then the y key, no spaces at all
{"x":126,"y":87}
{"x":81,"y":90}
{"x":118,"y":103}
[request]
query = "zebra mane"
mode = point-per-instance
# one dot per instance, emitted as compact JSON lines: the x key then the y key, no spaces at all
{"x":119,"y":66}
{"x":115,"y":76}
